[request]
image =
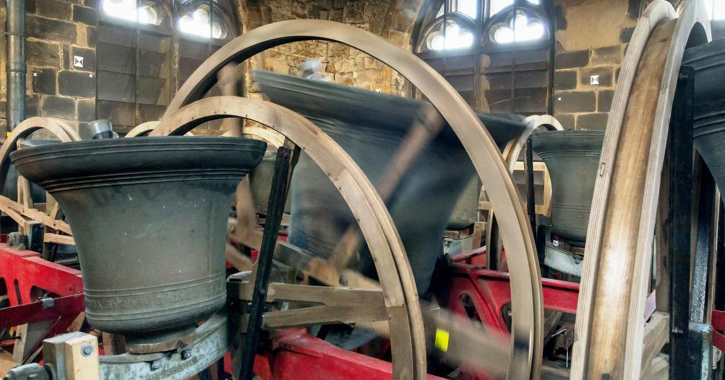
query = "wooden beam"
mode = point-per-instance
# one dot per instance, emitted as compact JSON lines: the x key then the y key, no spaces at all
{"x":228,"y":82}
{"x":24,"y":192}
{"x":325,"y":295}
{"x":58,"y":239}
{"x":554,"y":373}
{"x":656,"y":334}
{"x":657,"y":370}
{"x":478,"y":229}
{"x":239,"y":261}
{"x":318,"y":269}
{"x":8,"y":205}
{"x":17,"y":217}
{"x":6,"y":362}
{"x":321,"y":315}
{"x":81,"y":362}
{"x":21,"y":336}
{"x":113,"y":344}
{"x":55,"y":209}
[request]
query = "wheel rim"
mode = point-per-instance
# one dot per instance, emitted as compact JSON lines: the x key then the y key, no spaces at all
{"x":57,"y":127}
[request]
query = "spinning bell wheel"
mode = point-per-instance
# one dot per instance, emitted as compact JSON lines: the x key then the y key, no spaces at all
{"x":397,"y":287}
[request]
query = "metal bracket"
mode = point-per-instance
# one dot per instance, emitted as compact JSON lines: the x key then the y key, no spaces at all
{"x":681,"y":225}
{"x":264,"y":261}
{"x":701,"y":350}
{"x":211,"y":345}
{"x":563,"y":260}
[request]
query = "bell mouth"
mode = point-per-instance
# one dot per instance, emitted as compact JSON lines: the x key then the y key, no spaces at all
{"x":66,"y":166}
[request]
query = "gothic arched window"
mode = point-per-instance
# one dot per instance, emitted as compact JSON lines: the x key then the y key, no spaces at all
{"x":148,"y":48}
{"x":496,"y":53}
{"x":456,"y":24}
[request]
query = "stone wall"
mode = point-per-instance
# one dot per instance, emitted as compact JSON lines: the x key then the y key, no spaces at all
{"x":591,"y":42}
{"x":390,"y":19}
{"x":59,"y":30}
{"x":61,"y":59}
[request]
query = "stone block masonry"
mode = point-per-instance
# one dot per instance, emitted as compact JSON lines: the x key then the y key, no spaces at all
{"x":62,"y":55}
{"x":61,"y":59}
{"x":392,"y":20}
{"x":591,"y":42}
{"x":584,"y":87}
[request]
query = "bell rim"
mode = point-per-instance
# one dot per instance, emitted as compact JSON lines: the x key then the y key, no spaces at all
{"x":140,"y":141}
{"x":55,"y":164}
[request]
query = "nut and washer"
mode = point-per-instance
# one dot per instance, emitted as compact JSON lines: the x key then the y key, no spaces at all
{"x":86,"y":350}
{"x":156,"y":364}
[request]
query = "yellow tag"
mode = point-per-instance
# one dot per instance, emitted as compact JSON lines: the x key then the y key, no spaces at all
{"x":442,"y":337}
{"x":7,"y":134}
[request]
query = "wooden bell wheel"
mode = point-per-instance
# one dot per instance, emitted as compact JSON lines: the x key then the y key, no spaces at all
{"x":142,"y":129}
{"x":534,"y":123}
{"x":409,"y":359}
{"x":354,"y":187}
{"x":22,"y":210}
{"x":610,"y":326}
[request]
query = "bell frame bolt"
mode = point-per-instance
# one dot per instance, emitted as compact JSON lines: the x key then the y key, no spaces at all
{"x":86,"y":350}
{"x":156,"y":364}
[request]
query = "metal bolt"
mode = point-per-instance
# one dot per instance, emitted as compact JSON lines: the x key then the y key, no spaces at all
{"x":299,"y":277}
{"x":86,"y":350}
{"x":185,"y":354}
{"x":156,"y":364}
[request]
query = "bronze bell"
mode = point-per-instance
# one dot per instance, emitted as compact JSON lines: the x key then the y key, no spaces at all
{"x":149,"y":218}
{"x":708,"y":133}
{"x":572,"y":158}
{"x":370,"y":127}
{"x":261,"y":183}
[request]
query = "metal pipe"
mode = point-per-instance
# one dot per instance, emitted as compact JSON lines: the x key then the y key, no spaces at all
{"x":552,"y":55}
{"x":681,"y":226}
{"x":15,"y":32}
{"x":275,"y":209}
